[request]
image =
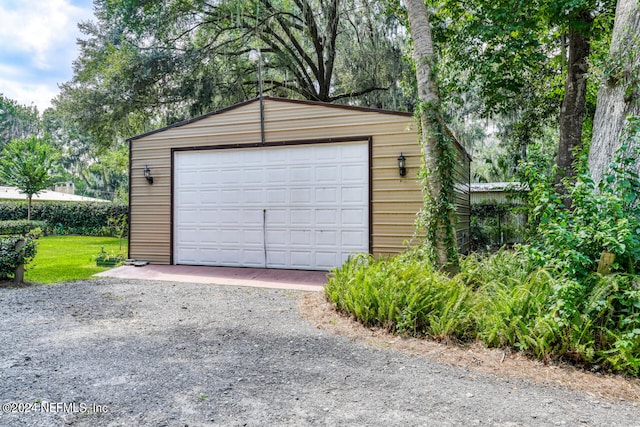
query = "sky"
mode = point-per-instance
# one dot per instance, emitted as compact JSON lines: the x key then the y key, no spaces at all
{"x":38,"y":46}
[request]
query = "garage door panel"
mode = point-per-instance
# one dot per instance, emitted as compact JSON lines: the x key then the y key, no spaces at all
{"x":252,"y":237}
{"x":209,"y":197}
{"x":326,"y":174}
{"x":301,"y":196}
{"x":209,"y":217}
{"x":230,"y":216}
{"x":186,"y":198}
{"x":232,"y":205}
{"x":300,"y":237}
{"x":252,"y":176}
{"x":326,"y":195}
{"x":326,"y":259}
{"x":277,"y":238}
{"x":352,"y":216}
{"x":301,"y":259}
{"x":189,"y":236}
{"x":189,"y":216}
{"x":327,"y":238}
{"x":352,"y":173}
{"x":276,"y":196}
{"x":326,"y":217}
{"x":301,"y":175}
{"x":302,"y":217}
{"x":276,"y":218}
{"x":252,"y":196}
{"x":352,"y":239}
{"x":278,"y":259}
{"x":252,"y":217}
{"x":229,"y":197}
{"x":353,"y":195}
{"x":277,"y":175}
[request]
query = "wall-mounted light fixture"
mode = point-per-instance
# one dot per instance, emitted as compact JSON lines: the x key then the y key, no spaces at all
{"x":402,"y":166}
{"x":147,"y":175}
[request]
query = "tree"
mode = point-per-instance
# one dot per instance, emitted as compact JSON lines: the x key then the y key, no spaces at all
{"x":28,"y":164}
{"x":619,"y":93}
{"x":16,"y":121}
{"x":439,"y":154}
{"x":513,"y":56}
{"x":150,"y":63}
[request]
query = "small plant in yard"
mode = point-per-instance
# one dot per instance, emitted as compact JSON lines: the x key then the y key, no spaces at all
{"x":106,"y":259}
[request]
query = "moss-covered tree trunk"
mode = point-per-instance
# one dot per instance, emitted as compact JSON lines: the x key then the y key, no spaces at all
{"x":439,"y":215}
{"x":619,"y":95}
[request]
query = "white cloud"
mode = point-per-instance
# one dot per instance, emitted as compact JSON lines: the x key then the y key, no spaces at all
{"x":28,"y":93}
{"x":39,"y":45}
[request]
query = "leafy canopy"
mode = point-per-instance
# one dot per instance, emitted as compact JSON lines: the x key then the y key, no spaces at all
{"x":28,"y":164}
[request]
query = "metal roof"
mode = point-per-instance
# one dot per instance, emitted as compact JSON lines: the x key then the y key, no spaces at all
{"x":12,"y":193}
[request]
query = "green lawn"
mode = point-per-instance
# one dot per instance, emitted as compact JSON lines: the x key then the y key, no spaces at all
{"x":65,"y":258}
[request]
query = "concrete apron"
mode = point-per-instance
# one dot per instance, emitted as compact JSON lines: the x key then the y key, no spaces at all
{"x":232,"y":276}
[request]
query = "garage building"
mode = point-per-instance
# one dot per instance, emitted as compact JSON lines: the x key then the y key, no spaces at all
{"x":279,"y":183}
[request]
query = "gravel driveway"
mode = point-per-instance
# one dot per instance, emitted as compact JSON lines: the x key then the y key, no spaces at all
{"x":112,"y":352}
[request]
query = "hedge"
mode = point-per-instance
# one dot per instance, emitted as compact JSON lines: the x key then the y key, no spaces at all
{"x":22,"y":227}
{"x":68,"y":217}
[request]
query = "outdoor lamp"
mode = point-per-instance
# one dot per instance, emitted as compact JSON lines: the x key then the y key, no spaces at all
{"x":254,"y":55}
{"x":402,"y":168}
{"x":147,"y":175}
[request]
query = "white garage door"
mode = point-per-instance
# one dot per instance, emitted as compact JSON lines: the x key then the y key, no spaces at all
{"x":296,"y":207}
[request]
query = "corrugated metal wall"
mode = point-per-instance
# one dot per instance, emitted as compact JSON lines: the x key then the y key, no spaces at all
{"x":462,"y":177}
{"x":395,"y":200}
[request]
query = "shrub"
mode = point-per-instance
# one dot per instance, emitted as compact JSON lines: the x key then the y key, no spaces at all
{"x":503,"y":300}
{"x":69,"y":217}
{"x":10,"y":258}
{"x":19,"y":227}
{"x":403,"y":294}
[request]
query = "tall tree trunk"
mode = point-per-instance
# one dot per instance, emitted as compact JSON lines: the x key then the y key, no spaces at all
{"x":572,"y":109}
{"x":439,"y":215}
{"x":29,"y":198}
{"x":619,"y":95}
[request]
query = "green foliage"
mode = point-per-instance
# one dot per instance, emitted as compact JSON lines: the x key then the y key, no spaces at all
{"x":438,"y":213}
{"x":503,"y":300}
{"x":16,"y":121}
{"x":28,"y":164}
{"x":19,"y":227}
{"x":91,"y":219}
{"x":104,"y":258}
{"x":95,"y":172}
{"x":403,"y":294}
{"x":10,"y":258}
{"x":495,"y":224}
{"x":545,"y":298}
{"x":606,"y":219}
{"x":177,"y":59}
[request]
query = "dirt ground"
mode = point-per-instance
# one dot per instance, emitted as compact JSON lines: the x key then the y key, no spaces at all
{"x":115,"y":352}
{"x":315,"y":309}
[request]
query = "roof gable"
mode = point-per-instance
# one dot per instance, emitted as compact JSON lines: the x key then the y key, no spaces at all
{"x":270,"y":100}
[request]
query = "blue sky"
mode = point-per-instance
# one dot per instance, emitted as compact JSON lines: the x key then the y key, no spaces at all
{"x":38,"y":46}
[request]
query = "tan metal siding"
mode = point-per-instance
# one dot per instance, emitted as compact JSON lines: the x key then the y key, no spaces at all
{"x":395,"y":200}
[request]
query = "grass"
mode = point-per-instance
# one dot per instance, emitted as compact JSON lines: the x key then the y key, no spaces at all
{"x":67,"y":258}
